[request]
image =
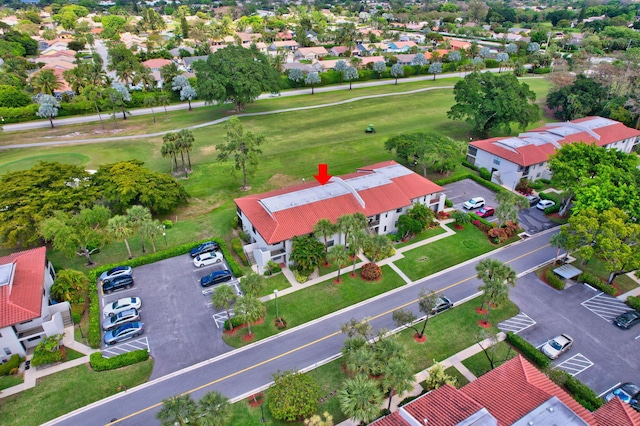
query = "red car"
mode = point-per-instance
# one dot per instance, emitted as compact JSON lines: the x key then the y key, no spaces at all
{"x":486,"y":212}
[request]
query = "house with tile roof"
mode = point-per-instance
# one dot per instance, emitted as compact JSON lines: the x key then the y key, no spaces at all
{"x":515,"y":393}
{"x":310,"y":53}
{"x":527,"y":155}
{"x":382,"y":192}
{"x":26,"y":313}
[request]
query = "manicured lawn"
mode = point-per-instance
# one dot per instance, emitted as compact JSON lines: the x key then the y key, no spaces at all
{"x":479,"y":364}
{"x":68,"y":390}
{"x":72,"y":354}
{"x":597,"y":267}
{"x":302,"y":306}
{"x":278,"y":281}
{"x":460,"y":379}
{"x":427,"y":233}
{"x":10,"y":381}
{"x":466,"y":244}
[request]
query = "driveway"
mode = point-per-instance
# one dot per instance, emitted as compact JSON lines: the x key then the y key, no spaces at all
{"x":179,"y":327}
{"x":531,"y":219}
{"x":603,"y":355}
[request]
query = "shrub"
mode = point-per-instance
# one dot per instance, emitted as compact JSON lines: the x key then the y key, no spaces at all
{"x":244,"y":236}
{"x":43,"y":356}
{"x":272,"y":268}
{"x":470,"y":166}
{"x":383,"y":254}
{"x":235,"y":321}
{"x":7,"y":367}
{"x":167,"y":224}
{"x":554,"y":280}
{"x":545,"y":181}
{"x":553,"y":209}
{"x":370,"y":272}
{"x":98,"y":363}
{"x":528,"y":350}
{"x":498,"y":235}
{"x":634,"y":302}
{"x":293,"y":396}
{"x":94,"y":318}
{"x":524,"y":186}
{"x":301,"y":277}
{"x":236,"y":246}
{"x":234,"y":222}
{"x":542,"y":70}
{"x":597,"y":282}
{"x":486,"y":183}
{"x":484,"y":174}
{"x":583,"y":394}
{"x":537,"y":185}
{"x":448,"y":203}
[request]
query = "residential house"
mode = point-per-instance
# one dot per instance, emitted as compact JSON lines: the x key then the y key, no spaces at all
{"x":526,"y":156}
{"x":305,"y":68}
{"x":405,"y":58}
{"x":248,"y":38}
{"x":339,"y":50}
{"x":400,"y":46}
{"x":382,"y":192}
{"x":26,"y":312}
{"x":457,"y":44}
{"x":134,"y":42}
{"x":310,"y":53}
{"x":260,"y":46}
{"x":189,"y":60}
{"x":290,"y":45}
{"x":155,"y":65}
{"x":515,"y":393}
{"x":365,"y":60}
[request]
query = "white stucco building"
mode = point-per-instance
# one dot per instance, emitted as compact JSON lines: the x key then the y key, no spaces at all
{"x":26,"y":315}
{"x":526,"y":156}
{"x":382,"y":192}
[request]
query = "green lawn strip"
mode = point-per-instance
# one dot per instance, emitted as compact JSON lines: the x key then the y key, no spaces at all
{"x":423,"y":261}
{"x":460,"y":379}
{"x":427,"y":233}
{"x":302,"y":306}
{"x":597,"y":267}
{"x":479,"y":364}
{"x":10,"y":381}
{"x":276,"y":282}
{"x":72,"y":354}
{"x":68,"y":390}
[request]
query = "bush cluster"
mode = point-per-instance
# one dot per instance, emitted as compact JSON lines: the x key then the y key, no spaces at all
{"x":528,"y":350}
{"x":583,"y":394}
{"x":94,"y":318}
{"x":371,"y":272}
{"x":448,"y":203}
{"x":98,"y":363}
{"x":272,"y":268}
{"x":43,"y":356}
{"x":634,"y":302}
{"x":14,"y":362}
{"x":484,"y":174}
{"x":554,"y":280}
{"x":597,"y":282}
{"x":301,"y":277}
{"x":470,"y":166}
{"x":236,"y":246}
{"x":235,"y":321}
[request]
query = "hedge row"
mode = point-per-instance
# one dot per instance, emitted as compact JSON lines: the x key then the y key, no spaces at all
{"x":98,"y":363}
{"x":94,"y":318}
{"x":595,"y":281}
{"x":14,"y":362}
{"x":469,"y":166}
{"x":475,"y":217}
{"x":554,"y":280}
{"x":634,"y":302}
{"x":236,"y":246}
{"x":583,"y":394}
{"x":528,"y":350}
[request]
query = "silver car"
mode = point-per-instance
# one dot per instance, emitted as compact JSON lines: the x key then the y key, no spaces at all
{"x":123,"y":317}
{"x":557,"y":346}
{"x":124,"y":332}
{"x":114,"y":308}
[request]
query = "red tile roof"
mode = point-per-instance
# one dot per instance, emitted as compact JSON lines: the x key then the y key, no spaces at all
{"x":517,"y":388}
{"x":617,"y":413}
{"x":529,"y":154}
{"x":156,"y":63}
{"x":21,"y":300}
{"x":286,"y":223}
{"x":446,"y":407}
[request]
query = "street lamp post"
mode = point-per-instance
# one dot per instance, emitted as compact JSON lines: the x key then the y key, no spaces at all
{"x":276,"y":293}
{"x":262,"y":414}
{"x":164,"y":234}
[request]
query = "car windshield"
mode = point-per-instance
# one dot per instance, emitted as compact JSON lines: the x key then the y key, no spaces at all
{"x":114,"y":305}
{"x":555,"y":345}
{"x":631,"y":389}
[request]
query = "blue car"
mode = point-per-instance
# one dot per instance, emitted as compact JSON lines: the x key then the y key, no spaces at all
{"x":124,"y":332}
{"x":216,"y":277}
{"x":118,"y":271}
{"x":207,"y":247}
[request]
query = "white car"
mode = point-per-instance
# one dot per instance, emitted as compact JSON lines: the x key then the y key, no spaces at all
{"x":543,"y":204}
{"x":474,"y":203}
{"x":208,"y":259}
{"x":121,"y":305}
{"x":557,"y":346}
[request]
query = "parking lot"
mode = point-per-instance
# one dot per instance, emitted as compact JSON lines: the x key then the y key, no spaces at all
{"x":602,"y":355}
{"x":179,"y":327}
{"x":531,"y":220}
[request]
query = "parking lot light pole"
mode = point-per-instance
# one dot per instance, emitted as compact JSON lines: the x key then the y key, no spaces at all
{"x":262,"y":413}
{"x":164,"y":234}
{"x":276,"y":293}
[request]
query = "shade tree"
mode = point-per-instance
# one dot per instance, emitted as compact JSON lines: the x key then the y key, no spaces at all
{"x":405,"y":317}
{"x":296,"y":75}
{"x":497,"y":277}
{"x":48,"y":108}
{"x":379,"y":67}
{"x":397,"y":71}
{"x":311,"y":80}
{"x":435,"y":68}
{"x":293,"y":395}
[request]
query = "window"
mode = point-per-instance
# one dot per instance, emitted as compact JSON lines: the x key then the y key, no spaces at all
{"x":496,"y":161}
{"x":395,"y":224}
{"x":7,"y":351}
{"x":31,"y":339}
{"x":473,"y":150}
{"x":399,"y":210}
{"x":386,"y":215}
{"x":330,"y":243}
{"x":385,"y":229}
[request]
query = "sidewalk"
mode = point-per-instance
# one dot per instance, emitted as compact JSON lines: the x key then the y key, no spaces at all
{"x":33,"y":374}
{"x":635,"y":291}
{"x":452,"y":361}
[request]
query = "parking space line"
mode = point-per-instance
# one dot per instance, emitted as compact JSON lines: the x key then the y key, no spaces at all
{"x":517,"y":323}
{"x":576,"y":364}
{"x":610,"y":389}
{"x":605,"y":306}
{"x":133,"y":345}
{"x":220,"y":317}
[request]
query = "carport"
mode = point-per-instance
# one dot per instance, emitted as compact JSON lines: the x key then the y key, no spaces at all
{"x":567,"y":271}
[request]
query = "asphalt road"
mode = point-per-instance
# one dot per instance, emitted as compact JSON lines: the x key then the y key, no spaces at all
{"x":239,"y":373}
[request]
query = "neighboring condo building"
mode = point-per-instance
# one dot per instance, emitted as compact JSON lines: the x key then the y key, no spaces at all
{"x":26,"y":315}
{"x":382,"y":192}
{"x":510,"y":159}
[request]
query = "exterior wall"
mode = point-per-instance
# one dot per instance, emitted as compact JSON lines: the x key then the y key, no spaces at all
{"x":9,"y":343}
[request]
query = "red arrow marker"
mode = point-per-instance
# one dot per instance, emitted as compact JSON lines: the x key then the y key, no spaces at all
{"x":323,"y":176}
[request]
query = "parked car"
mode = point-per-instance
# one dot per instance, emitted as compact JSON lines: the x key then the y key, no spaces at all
{"x":123,"y":317}
{"x":124,"y":332}
{"x":117,"y":283}
{"x":216,"y":277}
{"x":207,"y":247}
{"x":557,"y":346}
{"x":533,"y":200}
{"x":486,"y":212}
{"x":208,"y":259}
{"x":442,"y":304}
{"x":120,"y":305}
{"x":627,"y":319}
{"x":118,"y":271}
{"x":628,"y":393}
{"x":543,"y":204}
{"x":474,"y":203}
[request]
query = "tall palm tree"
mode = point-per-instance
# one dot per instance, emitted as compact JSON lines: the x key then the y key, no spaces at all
{"x":340,"y":255}
{"x":360,"y":398}
{"x":137,"y":215}
{"x":356,"y":244}
{"x":377,"y":244}
{"x":145,"y":76}
{"x":223,"y":296}
{"x":125,"y":71}
{"x":186,"y":142}
{"x":397,"y":377}
{"x":559,"y":240}
{"x":324,"y":228}
{"x":76,"y":77}
{"x":94,"y":94}
{"x":168,"y":73}
{"x":121,"y":229}
{"x":249,"y":309}
{"x":497,"y":277}
{"x":149,"y":102}
{"x":149,"y":229}
{"x":163,"y":100}
{"x":46,"y":81}
{"x":178,"y":410}
{"x":213,"y":409}
{"x":169,"y":148}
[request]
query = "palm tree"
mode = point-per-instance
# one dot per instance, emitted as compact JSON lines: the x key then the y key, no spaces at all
{"x":340,"y":255}
{"x":185,"y":136}
{"x":397,"y":377}
{"x":249,"y":309}
{"x":125,"y":72}
{"x":213,"y":409}
{"x":559,"y":240}
{"x":149,"y":102}
{"x":360,"y":398}
{"x":149,"y":229}
{"x":46,"y":81}
{"x":356,"y":244}
{"x":178,"y":411}
{"x":120,"y":228}
{"x":163,"y":100}
{"x":253,"y":284}
{"x":349,"y":223}
{"x":497,"y":277}
{"x":376,"y":245}
{"x":137,"y":215}
{"x":168,"y":73}
{"x":223,"y":296}
{"x":143,"y":75}
{"x":76,"y":77}
{"x":169,"y":148}
{"x":324,"y":228}
{"x":93,"y":94}
{"x":70,"y":285}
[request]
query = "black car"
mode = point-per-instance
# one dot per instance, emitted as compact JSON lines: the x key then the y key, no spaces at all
{"x":216,"y":277}
{"x":442,"y":304}
{"x":117,"y":283}
{"x":207,"y":247}
{"x":627,"y":320}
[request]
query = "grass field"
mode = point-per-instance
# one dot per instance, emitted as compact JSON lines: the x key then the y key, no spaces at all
{"x":479,"y":363}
